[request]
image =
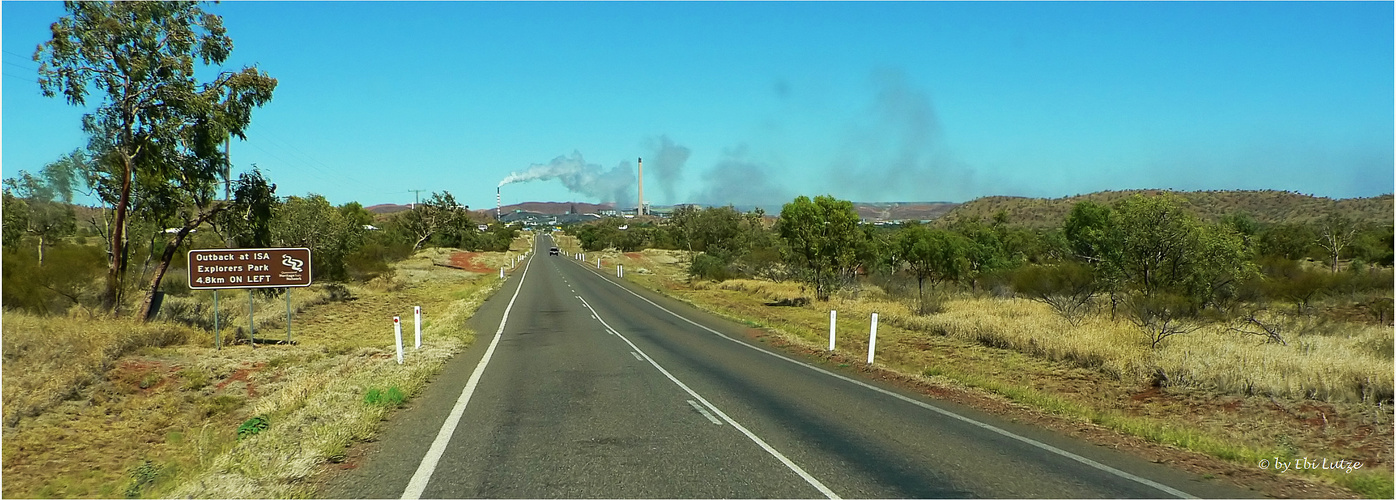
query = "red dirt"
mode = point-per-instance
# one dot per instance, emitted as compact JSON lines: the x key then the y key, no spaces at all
{"x":133,"y":371}
{"x":466,"y":261}
{"x":241,"y":375}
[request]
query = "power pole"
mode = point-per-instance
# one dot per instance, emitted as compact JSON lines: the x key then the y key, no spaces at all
{"x":417,"y":196}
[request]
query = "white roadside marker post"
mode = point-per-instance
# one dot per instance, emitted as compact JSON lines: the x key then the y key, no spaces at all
{"x":397,"y":334}
{"x":501,"y":273}
{"x":417,"y":324}
{"x":620,"y":271}
{"x":832,"y":314}
{"x":598,"y":262}
{"x":872,"y":338}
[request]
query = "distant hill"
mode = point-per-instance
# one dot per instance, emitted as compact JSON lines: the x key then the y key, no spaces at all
{"x":1266,"y":207}
{"x":903,"y":210}
{"x":555,"y":208}
{"x":387,"y":208}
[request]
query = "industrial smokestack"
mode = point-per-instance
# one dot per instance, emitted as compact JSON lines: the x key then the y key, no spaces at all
{"x":498,"y":203}
{"x":640,"y":210}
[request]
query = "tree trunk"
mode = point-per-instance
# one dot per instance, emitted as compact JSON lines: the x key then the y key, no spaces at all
{"x":41,"y":250}
{"x":112,"y":298}
{"x":921,"y":293}
{"x":164,"y":265}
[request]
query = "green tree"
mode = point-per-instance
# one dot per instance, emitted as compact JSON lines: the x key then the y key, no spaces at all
{"x":933,"y":254}
{"x":438,"y":213}
{"x":156,"y":124}
{"x":46,"y":212}
{"x":684,"y":227}
{"x":1155,"y":234}
{"x":1244,"y":225}
{"x":1091,"y":233}
{"x":200,"y":208}
{"x":821,"y":236}
{"x":984,"y":249}
{"x":1217,"y":263}
{"x":1291,"y":241}
{"x":16,"y":219}
{"x":312,"y":222}
{"x":1373,"y":244}
{"x":354,"y":213}
{"x":248,"y":224}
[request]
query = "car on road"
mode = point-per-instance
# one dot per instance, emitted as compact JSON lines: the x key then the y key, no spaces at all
{"x":553,"y":251}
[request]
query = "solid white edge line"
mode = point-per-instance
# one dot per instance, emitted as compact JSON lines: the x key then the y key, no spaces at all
{"x":418,"y":483}
{"x":704,"y":411}
{"x":1027,"y":440}
{"x":750,"y":435}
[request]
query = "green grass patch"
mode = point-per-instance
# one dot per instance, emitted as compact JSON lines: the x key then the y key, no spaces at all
{"x":392,"y":397}
{"x":1368,"y":483}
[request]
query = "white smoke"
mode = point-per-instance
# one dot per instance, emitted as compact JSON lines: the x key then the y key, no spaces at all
{"x":616,"y":185}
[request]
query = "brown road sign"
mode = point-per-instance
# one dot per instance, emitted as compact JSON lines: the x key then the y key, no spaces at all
{"x":249,"y":268}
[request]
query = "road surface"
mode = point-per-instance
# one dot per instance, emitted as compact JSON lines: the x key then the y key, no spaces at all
{"x":595,"y":388}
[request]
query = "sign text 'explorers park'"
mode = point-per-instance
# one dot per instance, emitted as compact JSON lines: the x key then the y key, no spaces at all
{"x":249,"y":268}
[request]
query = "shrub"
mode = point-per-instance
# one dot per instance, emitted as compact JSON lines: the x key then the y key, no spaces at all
{"x":1160,"y":316}
{"x":1067,"y":287}
{"x":709,"y":267}
{"x":253,"y":426}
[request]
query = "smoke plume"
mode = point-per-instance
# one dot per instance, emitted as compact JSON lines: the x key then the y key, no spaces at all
{"x":897,"y":150}
{"x":667,"y":164}
{"x":739,"y":180}
{"x":589,"y":179}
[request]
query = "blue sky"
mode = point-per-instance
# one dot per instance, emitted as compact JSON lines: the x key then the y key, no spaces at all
{"x":754,"y":103}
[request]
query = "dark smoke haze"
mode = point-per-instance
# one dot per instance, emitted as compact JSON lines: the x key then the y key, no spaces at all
{"x":897,"y":150}
{"x":666,"y":163}
{"x":738,"y":180}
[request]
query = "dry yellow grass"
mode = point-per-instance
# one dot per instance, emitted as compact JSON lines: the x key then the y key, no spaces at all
{"x":176,"y":408}
{"x":50,"y":359}
{"x":1325,"y":361}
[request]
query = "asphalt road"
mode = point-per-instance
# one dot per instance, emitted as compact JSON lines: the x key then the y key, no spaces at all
{"x":594,"y":388}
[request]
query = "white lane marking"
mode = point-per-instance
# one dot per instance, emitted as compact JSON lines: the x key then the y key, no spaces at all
{"x":704,"y":411}
{"x":1027,"y":440}
{"x":779,"y":456}
{"x":418,"y":484}
{"x":637,"y":356}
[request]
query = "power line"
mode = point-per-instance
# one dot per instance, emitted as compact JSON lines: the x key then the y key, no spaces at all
{"x":417,"y":197}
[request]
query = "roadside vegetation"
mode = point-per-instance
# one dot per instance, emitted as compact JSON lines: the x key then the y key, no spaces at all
{"x":116,"y":381}
{"x":1232,"y":338}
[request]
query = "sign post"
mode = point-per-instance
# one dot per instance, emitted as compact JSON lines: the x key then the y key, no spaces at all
{"x":220,"y":268}
{"x":217,"y":341}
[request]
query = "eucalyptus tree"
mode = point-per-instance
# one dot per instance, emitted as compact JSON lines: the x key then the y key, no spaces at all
{"x":157,"y":130}
{"x":934,"y":254}
{"x":43,"y":203}
{"x":1336,"y":232}
{"x":438,"y":213}
{"x":821,"y":236}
